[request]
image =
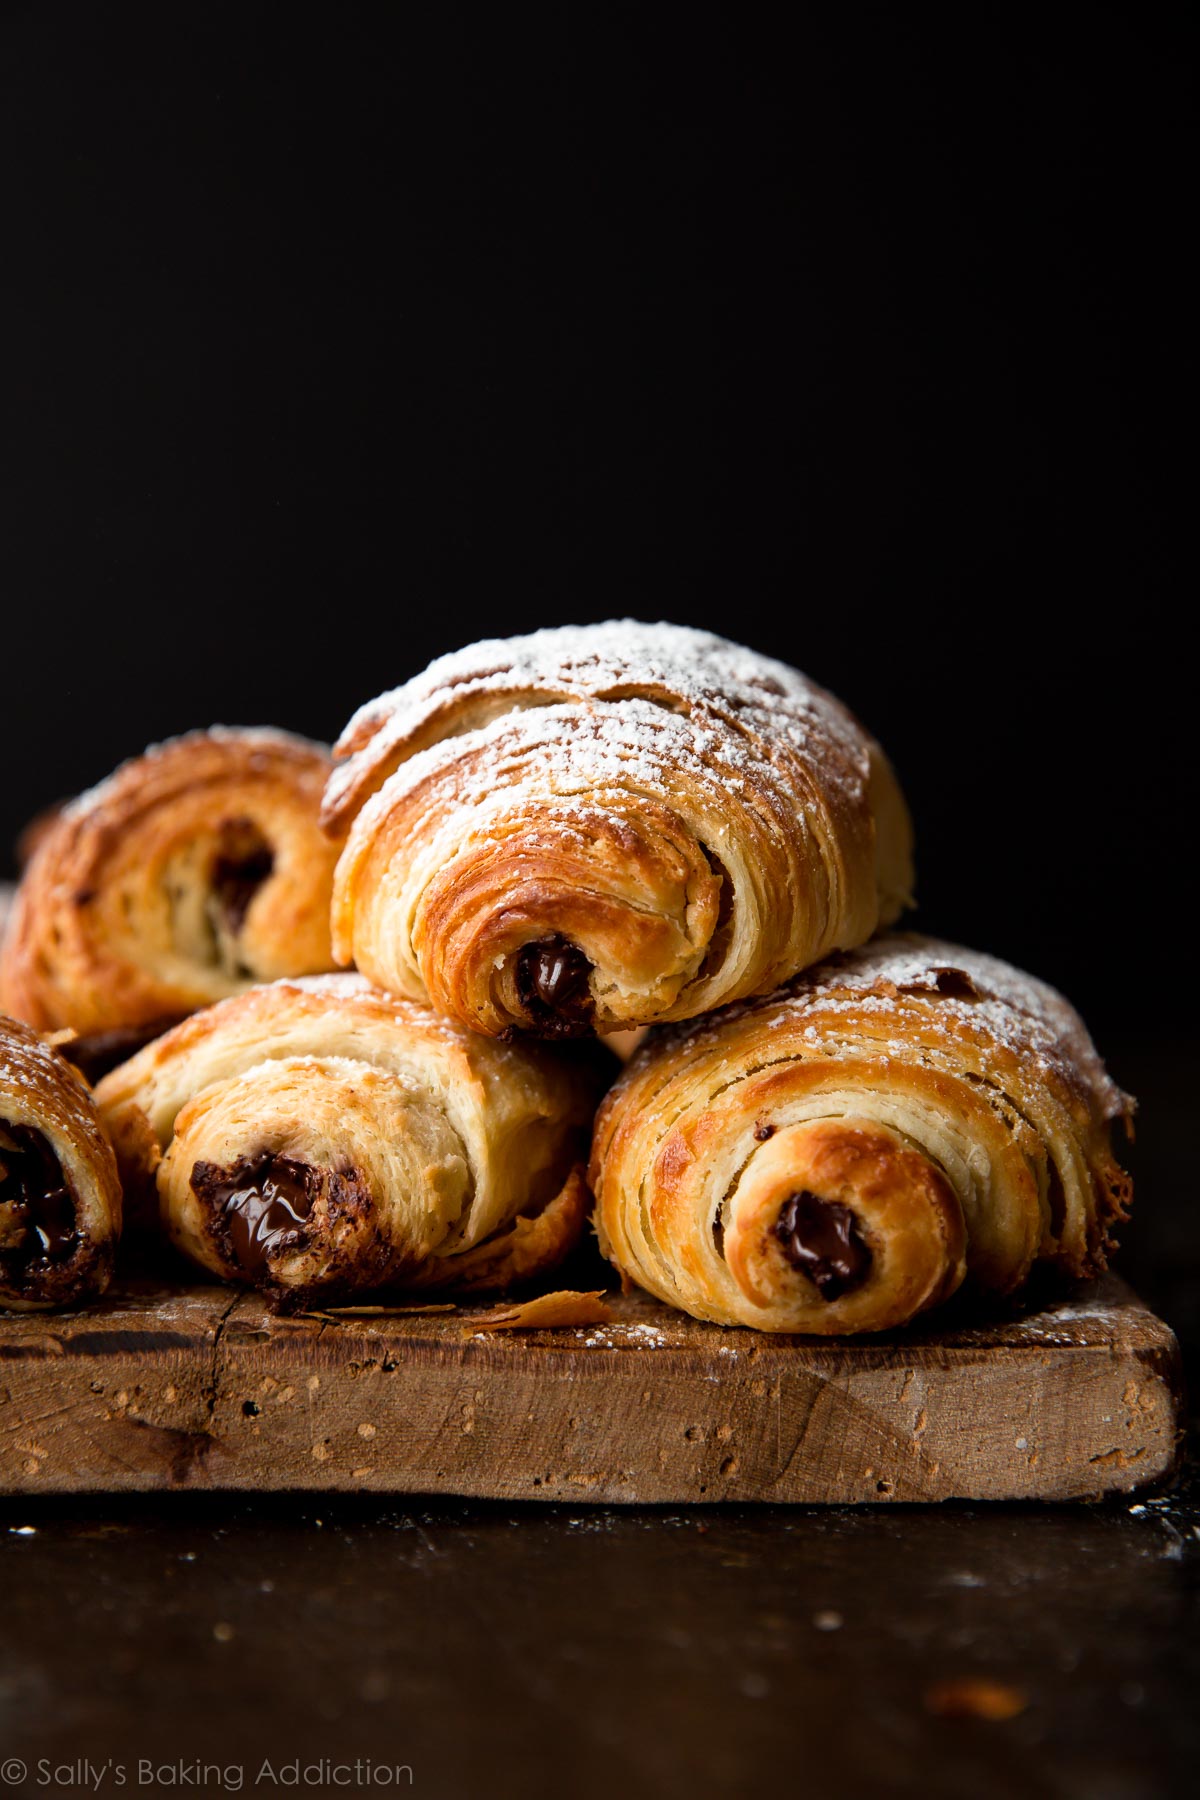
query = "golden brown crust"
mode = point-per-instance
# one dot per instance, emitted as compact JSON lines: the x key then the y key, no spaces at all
{"x":903,"y":1206}
{"x":548,"y":1312}
{"x":533,"y":1244}
{"x":192,"y":872}
{"x":667,"y":821}
{"x":413,"y":1153}
{"x":60,"y":1198}
{"x":895,"y":1119}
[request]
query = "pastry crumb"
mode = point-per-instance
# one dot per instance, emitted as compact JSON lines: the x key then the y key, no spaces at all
{"x":974,"y":1698}
{"x":566,"y":1307}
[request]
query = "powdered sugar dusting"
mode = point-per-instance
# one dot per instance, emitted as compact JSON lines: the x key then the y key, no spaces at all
{"x":723,"y":692}
{"x":337,"y":986}
{"x":1012,"y":1009}
{"x":27,"y":1060}
{"x":607,"y":661}
{"x":634,"y":747}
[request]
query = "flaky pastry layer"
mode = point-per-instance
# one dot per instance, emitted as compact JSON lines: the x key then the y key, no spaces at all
{"x":318,"y":1138}
{"x":840,"y":1155}
{"x":60,"y":1198}
{"x":193,"y":872}
{"x":605,"y":826}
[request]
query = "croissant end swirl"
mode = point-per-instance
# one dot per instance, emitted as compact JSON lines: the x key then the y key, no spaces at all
{"x":193,"y":872}
{"x":608,"y":825}
{"x":60,"y":1199}
{"x":316,"y":1138}
{"x":837,"y":1156}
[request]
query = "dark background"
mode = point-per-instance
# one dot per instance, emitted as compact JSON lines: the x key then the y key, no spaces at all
{"x":328,"y":347}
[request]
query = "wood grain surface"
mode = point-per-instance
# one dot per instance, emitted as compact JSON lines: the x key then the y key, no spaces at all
{"x":158,"y":1390}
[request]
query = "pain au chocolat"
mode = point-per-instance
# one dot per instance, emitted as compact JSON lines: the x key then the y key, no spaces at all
{"x":316,"y":1139}
{"x":60,"y":1199}
{"x":603,"y":826}
{"x":841,"y":1155}
{"x":193,"y":872}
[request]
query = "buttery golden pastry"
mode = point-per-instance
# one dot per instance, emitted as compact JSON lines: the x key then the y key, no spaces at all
{"x":317,"y":1138}
{"x":193,"y":872}
{"x":603,"y":826}
{"x":60,"y":1199}
{"x":839,"y":1156}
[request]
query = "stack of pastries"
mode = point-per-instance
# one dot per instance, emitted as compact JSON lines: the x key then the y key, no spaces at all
{"x":340,"y":1010}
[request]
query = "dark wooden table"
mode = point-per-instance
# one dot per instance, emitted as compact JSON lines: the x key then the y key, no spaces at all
{"x":522,"y":1651}
{"x":498,"y":1650}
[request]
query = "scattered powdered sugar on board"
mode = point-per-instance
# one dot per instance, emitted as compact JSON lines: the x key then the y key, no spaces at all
{"x":1059,"y":1314}
{"x":1052,"y":1325}
{"x":620,"y":1334}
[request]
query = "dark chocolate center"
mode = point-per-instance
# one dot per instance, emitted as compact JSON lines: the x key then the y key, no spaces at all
{"x":553,"y":978}
{"x":263,"y":1204}
{"x":241,"y":865}
{"x":822,"y":1240}
{"x":37,"y":1207}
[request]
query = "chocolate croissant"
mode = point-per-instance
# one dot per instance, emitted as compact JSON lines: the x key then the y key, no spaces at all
{"x":194,"y":871}
{"x":60,"y":1199}
{"x":604,"y":826}
{"x":838,"y":1156}
{"x":316,"y":1139}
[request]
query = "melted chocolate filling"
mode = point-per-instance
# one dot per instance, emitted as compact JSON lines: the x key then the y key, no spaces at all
{"x":822,"y":1240}
{"x":37,"y":1207}
{"x":240,"y":867}
{"x":552,"y":984}
{"x":263,"y":1203}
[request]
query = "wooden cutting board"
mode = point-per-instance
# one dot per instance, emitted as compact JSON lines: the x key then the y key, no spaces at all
{"x":154,"y":1389}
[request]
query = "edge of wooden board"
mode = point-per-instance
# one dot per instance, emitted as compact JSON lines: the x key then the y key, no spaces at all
{"x":157,"y":1391}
